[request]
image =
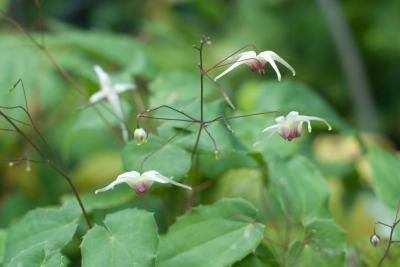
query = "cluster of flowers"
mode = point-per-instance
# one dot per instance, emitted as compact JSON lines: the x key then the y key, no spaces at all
{"x":288,"y":127}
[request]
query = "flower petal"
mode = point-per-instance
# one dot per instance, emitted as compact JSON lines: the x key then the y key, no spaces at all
{"x":157,"y":177}
{"x":96,"y":97}
{"x":127,"y":177}
{"x":267,"y":57}
{"x":123,"y":87}
{"x":276,"y":57}
{"x":243,"y":58}
{"x":102,"y":75}
{"x":271,"y":128}
{"x":313,"y":118}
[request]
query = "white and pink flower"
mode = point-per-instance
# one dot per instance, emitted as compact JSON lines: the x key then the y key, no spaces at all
{"x":290,"y":126}
{"x":257,"y":62}
{"x":141,"y":183}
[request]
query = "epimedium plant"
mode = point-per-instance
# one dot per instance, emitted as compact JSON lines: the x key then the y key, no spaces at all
{"x":271,"y":211}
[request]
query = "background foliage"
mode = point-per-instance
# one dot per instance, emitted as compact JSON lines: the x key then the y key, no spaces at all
{"x":309,"y":202}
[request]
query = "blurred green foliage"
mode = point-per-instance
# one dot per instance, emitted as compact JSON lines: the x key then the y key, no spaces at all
{"x":308,"y":202}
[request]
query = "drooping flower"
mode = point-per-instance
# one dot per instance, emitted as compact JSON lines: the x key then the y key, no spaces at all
{"x":290,"y":126}
{"x":140,"y":183}
{"x":258,"y":62}
{"x":140,"y":136}
{"x":110,"y":92}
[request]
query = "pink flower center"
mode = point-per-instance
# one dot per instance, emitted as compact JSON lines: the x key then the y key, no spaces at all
{"x":290,"y":134}
{"x":257,"y":66}
{"x":141,"y":188}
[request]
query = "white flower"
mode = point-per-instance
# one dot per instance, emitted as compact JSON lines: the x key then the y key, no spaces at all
{"x":290,"y":126}
{"x":110,"y":91}
{"x":140,"y":183}
{"x":258,"y":62}
{"x":140,"y":136}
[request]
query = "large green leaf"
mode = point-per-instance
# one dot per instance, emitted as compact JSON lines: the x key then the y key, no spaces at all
{"x":114,"y":48}
{"x":245,"y":183}
{"x":386,"y":175}
{"x":128,"y":238}
{"x":39,"y":256}
{"x":215,"y":235}
{"x":169,"y":160}
{"x":3,"y":238}
{"x":44,"y":229}
{"x":298,"y":187}
{"x":323,"y":245}
{"x":176,"y":86}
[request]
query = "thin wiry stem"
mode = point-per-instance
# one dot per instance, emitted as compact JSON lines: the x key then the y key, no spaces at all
{"x":167,"y":107}
{"x":26,"y":111}
{"x":392,"y":227}
{"x":196,"y":143}
{"x":237,"y":61}
{"x":61,"y":70}
{"x":19,"y":161}
{"x":162,"y":146}
{"x":51,"y":164}
{"x":217,"y":65}
{"x":7,"y":130}
{"x":165,"y":119}
{"x":221,"y":90}
{"x":212,"y":139}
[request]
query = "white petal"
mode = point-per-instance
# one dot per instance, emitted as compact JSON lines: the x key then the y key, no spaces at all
{"x":96,"y":97}
{"x":271,"y":128}
{"x":113,"y":99}
{"x":312,"y":118}
{"x":276,"y":57}
{"x":293,"y":114}
{"x":157,"y":177}
{"x":123,"y":87}
{"x":102,"y":75}
{"x":243,"y":58}
{"x":267,"y":57}
{"x":263,"y":139}
{"x":127,"y":177}
{"x":125,"y":132}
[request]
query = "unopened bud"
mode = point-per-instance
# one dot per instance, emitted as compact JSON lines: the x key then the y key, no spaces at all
{"x":140,"y":136}
{"x":216,"y":154}
{"x":375,"y":240}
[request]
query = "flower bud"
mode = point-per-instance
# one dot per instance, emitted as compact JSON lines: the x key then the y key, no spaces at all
{"x":375,"y":240}
{"x":140,"y":136}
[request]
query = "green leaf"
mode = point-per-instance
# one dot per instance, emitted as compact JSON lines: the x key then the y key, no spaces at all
{"x":89,"y":119}
{"x":299,"y":187}
{"x":386,"y":175}
{"x":128,"y":238}
{"x":250,"y":261}
{"x":224,"y":139}
{"x":324,"y":245}
{"x":249,"y":131}
{"x":176,"y":86}
{"x":215,"y":235}
{"x":3,"y":238}
{"x":170,"y":160}
{"x":39,"y":256}
{"x":245,"y":183}
{"x":46,"y":229}
{"x":110,"y":47}
{"x":287,"y":96}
